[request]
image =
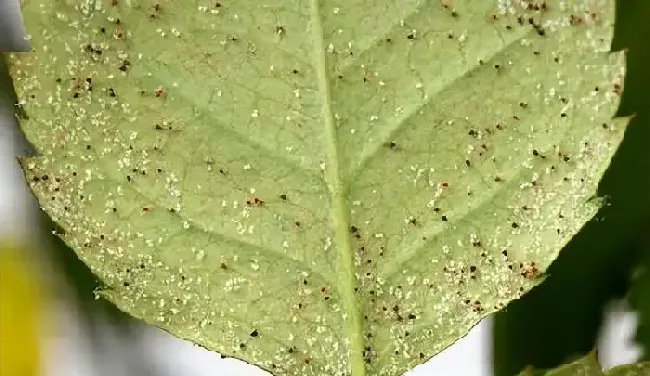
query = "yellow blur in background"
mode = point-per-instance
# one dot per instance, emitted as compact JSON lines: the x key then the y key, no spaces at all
{"x":22,"y":304}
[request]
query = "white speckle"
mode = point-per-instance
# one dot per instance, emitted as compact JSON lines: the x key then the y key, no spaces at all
{"x":255,"y":113}
{"x":133,"y":135}
{"x":336,"y":10}
{"x":419,"y":85}
{"x":330,"y":48}
{"x":247,"y":167}
{"x":186,"y":224}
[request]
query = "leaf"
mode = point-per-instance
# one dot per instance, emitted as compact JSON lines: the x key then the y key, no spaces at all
{"x":589,"y":366}
{"x":586,"y":366}
{"x":318,"y":188}
{"x":638,"y":369}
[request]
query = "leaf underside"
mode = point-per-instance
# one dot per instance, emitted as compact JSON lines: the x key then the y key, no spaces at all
{"x":318,"y":187}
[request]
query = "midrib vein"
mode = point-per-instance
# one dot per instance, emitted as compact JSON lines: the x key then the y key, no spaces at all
{"x":339,"y":210}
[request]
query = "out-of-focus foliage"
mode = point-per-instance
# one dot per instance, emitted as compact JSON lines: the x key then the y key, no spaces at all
{"x":23,"y":297}
{"x":589,"y":366}
{"x":640,"y":297}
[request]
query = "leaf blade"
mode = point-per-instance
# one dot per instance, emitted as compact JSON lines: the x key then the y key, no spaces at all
{"x":172,"y":150}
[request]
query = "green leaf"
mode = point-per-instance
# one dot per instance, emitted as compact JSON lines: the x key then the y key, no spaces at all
{"x":638,"y":369}
{"x":586,"y":366}
{"x":318,"y":188}
{"x":589,"y":366}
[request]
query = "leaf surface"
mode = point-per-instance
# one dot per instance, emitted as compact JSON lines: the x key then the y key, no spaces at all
{"x":318,"y":188}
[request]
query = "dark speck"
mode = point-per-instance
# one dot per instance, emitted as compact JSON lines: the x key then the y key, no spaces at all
{"x":254,"y":333}
{"x":390,"y":145}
